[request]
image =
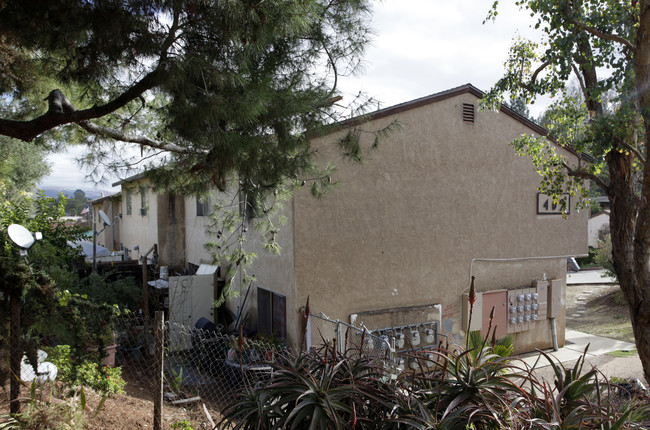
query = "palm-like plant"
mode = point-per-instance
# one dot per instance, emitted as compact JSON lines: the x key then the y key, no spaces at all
{"x":320,"y":389}
{"x":464,"y":389}
{"x":581,"y":400}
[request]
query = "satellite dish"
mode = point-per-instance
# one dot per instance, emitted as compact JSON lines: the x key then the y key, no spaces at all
{"x":20,"y":236}
{"x":104,"y":218}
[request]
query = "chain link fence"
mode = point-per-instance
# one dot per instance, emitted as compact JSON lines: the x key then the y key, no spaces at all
{"x":199,"y":362}
{"x":202,"y":363}
{"x":350,"y":339}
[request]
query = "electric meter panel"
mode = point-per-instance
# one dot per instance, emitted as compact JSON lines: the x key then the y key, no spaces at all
{"x":527,"y":306}
{"x":523,"y":307}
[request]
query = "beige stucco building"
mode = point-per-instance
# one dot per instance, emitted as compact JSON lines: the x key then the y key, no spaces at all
{"x":151,"y":218}
{"x":112,"y":207}
{"x":398,"y":240}
{"x":598,"y":223}
{"x":444,"y":199}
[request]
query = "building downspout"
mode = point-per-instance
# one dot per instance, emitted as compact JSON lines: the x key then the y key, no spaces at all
{"x":113,"y":245}
{"x":554,"y":334}
{"x":439,"y":307}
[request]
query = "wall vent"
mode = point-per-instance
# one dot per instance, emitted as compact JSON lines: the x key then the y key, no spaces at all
{"x":468,"y":113}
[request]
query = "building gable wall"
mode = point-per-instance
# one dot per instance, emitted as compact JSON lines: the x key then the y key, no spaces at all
{"x":405,"y":227}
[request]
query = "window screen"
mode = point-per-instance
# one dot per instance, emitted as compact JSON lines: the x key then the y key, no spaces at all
{"x":271,"y":313}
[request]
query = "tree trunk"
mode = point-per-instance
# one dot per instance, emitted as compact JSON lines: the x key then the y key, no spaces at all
{"x":629,"y":249}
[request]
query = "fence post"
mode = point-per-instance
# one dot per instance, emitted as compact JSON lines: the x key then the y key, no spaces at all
{"x":308,"y":333}
{"x":159,"y":337}
{"x":16,"y":353}
{"x":339,"y":338}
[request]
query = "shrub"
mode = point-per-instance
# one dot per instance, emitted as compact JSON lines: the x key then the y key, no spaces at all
{"x":52,"y":416}
{"x":105,"y":380}
{"x":182,"y":425}
{"x":603,"y":256}
{"x":47,"y":409}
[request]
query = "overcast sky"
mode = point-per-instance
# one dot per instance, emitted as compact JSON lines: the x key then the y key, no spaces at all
{"x":421,"y":47}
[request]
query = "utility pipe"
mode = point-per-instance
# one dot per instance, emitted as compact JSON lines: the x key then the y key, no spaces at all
{"x":554,"y":334}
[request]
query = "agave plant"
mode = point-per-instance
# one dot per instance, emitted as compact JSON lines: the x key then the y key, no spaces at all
{"x":483,"y":387}
{"x":580,"y":399}
{"x":320,"y":389}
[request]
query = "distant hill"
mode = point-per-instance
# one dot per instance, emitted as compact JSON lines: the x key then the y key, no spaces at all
{"x":91,"y":193}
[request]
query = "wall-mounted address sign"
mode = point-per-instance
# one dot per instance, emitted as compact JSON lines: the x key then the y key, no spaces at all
{"x":546,"y":206}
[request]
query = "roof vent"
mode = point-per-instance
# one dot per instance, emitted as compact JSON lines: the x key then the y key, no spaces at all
{"x":468,"y":113}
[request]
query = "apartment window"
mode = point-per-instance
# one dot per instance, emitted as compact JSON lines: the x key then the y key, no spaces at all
{"x":468,"y":113}
{"x":271,"y":313}
{"x":202,"y":206}
{"x":129,"y":202}
{"x":144,"y":205}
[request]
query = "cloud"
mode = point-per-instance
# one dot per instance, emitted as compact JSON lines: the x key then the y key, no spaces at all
{"x":426,"y":46}
{"x":65,"y":172}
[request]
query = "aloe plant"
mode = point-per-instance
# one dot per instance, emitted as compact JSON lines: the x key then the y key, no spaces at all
{"x":581,"y":399}
{"x":317,"y":390}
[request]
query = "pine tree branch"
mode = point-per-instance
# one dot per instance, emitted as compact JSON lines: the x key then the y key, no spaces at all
{"x":333,"y":64}
{"x":57,"y":116}
{"x":61,"y":111}
{"x":140,"y":140}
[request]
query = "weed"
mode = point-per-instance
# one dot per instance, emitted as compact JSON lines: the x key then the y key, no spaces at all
{"x":176,"y":380}
{"x":182,"y":425}
{"x":624,"y":353}
{"x":619,"y":298}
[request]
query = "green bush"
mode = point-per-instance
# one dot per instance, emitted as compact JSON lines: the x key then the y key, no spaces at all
{"x":105,"y":380}
{"x":603,"y":256}
{"x":182,"y":425}
{"x":590,"y":260}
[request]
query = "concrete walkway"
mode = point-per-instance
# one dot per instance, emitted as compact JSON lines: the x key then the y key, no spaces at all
{"x":628,"y":367}
{"x":595,"y":276}
{"x":575,"y":344}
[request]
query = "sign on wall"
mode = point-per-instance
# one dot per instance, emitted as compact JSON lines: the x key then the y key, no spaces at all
{"x":546,"y":206}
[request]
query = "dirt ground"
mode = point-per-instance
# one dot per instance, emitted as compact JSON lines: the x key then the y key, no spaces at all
{"x":129,"y":411}
{"x":598,"y":310}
